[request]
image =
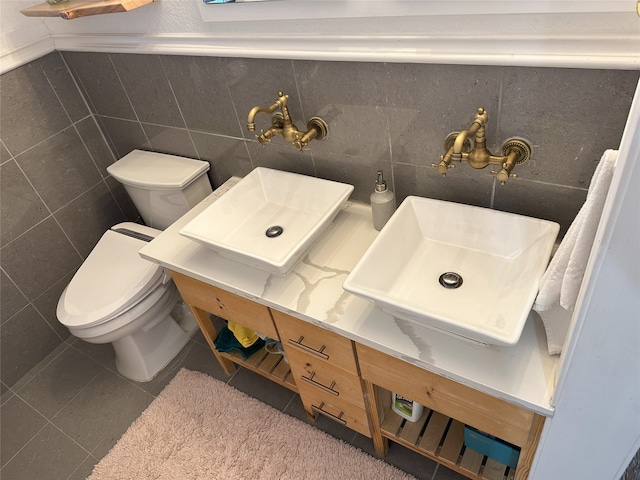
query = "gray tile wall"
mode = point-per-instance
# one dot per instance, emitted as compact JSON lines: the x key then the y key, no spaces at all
{"x":392,"y":117}
{"x":56,"y":202}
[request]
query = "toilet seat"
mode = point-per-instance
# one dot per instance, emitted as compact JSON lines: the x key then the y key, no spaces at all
{"x":113,"y":279}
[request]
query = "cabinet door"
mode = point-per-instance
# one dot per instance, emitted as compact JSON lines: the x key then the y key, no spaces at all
{"x":320,"y":343}
{"x":226,"y":305}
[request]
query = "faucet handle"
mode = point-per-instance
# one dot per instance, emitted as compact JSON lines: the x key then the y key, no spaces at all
{"x":262,"y":138}
{"x":299,"y":144}
{"x":443,"y":166}
{"x":503,"y":175}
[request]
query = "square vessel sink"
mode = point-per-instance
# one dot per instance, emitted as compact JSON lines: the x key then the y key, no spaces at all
{"x":466,"y":270}
{"x":269,"y":218}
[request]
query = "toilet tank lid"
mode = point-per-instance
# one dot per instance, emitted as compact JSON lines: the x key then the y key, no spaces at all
{"x":156,"y":170}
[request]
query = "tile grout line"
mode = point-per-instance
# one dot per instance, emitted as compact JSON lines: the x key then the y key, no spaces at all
{"x":79,"y":86}
{"x":71,"y":475}
{"x":124,"y":89}
{"x":233,"y":105}
{"x":52,"y":213}
{"x":37,"y":368}
{"x":184,"y":121}
{"x":73,"y":124}
{"x":295,"y":81}
{"x":47,"y":422}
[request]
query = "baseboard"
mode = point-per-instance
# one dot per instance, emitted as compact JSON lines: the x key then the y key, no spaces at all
{"x":20,"y":56}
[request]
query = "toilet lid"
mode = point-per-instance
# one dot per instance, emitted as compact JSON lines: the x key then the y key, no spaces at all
{"x":111,"y":279}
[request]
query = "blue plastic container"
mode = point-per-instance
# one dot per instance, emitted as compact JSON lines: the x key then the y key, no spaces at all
{"x":491,"y":446}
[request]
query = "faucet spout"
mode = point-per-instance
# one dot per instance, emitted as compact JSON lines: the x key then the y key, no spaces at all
{"x":476,"y":128}
{"x":281,"y":102}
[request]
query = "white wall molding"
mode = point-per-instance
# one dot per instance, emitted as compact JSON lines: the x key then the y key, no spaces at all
{"x":562,"y":33}
{"x":606,"y":50}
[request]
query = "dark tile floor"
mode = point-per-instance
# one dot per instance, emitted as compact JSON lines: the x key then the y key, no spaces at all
{"x":66,"y":414}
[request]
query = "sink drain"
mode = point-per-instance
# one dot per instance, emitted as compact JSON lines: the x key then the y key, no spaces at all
{"x":450,"y":280}
{"x":274,"y":231}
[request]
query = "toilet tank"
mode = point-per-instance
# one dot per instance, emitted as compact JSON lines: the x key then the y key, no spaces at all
{"x":163,"y":187}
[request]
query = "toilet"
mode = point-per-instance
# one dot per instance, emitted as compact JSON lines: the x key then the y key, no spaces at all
{"x":118,"y":297}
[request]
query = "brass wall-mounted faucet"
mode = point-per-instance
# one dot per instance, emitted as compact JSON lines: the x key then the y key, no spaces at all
{"x":281,"y":124}
{"x":457,"y":147}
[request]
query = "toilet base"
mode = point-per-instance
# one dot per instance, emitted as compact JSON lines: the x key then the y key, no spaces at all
{"x":142,"y":355}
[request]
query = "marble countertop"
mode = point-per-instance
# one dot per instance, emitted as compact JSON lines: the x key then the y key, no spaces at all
{"x":523,"y":374}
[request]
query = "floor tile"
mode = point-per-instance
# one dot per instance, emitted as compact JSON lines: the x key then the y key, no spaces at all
{"x":18,"y":336}
{"x":201,"y":359}
{"x":36,"y":369}
{"x":6,"y":393}
{"x":103,"y":354}
{"x":84,"y":469}
{"x":51,"y":455}
{"x":193,"y":356}
{"x":19,"y":423}
{"x":261,"y":388}
{"x":61,"y":380}
{"x":95,"y":406}
{"x":444,"y":473}
{"x":296,"y":409}
{"x":410,"y":461}
{"x":102,"y":411}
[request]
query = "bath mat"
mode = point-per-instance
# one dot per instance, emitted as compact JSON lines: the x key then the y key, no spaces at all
{"x":200,"y":428}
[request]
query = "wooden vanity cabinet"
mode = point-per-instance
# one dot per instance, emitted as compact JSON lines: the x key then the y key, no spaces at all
{"x":203,"y":299}
{"x":325,"y":370}
{"x":352,"y":384}
{"x":449,"y":405}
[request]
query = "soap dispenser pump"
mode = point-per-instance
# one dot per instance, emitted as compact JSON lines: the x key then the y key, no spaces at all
{"x":383,"y":203}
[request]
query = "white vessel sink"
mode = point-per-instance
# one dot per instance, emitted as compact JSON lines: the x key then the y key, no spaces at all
{"x":499,"y":257}
{"x":269,"y":218}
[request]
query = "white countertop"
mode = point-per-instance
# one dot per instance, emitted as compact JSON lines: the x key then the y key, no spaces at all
{"x":523,"y":374}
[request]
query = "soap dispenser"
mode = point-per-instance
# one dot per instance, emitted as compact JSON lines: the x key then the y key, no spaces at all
{"x":383,"y":203}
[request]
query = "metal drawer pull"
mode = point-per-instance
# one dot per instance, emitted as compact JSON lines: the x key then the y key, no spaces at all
{"x":317,"y":353}
{"x":328,"y":389}
{"x":338,"y":418}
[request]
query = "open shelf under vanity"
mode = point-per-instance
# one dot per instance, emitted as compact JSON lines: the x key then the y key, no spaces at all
{"x":442,"y":439}
{"x":266,"y":364}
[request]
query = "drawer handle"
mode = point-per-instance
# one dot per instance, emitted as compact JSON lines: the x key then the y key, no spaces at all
{"x":317,"y":353}
{"x":338,"y":418}
{"x":328,"y":389}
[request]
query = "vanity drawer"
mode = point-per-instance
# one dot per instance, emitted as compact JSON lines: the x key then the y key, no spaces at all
{"x":226,"y":305}
{"x":324,"y":345}
{"x":467,"y":405}
{"x":342,"y":412}
{"x":324,"y":377}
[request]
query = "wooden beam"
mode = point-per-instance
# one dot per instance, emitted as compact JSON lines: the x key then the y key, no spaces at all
{"x":83,"y":8}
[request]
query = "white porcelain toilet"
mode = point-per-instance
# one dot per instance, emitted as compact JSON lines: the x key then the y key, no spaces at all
{"x":118,"y":297}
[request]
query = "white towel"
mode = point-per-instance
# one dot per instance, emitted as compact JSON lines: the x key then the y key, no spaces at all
{"x":561,"y":281}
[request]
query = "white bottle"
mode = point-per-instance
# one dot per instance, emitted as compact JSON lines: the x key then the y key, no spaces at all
{"x":406,"y":408}
{"x":383,"y":203}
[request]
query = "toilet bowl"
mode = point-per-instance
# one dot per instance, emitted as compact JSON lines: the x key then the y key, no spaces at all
{"x":118,"y":297}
